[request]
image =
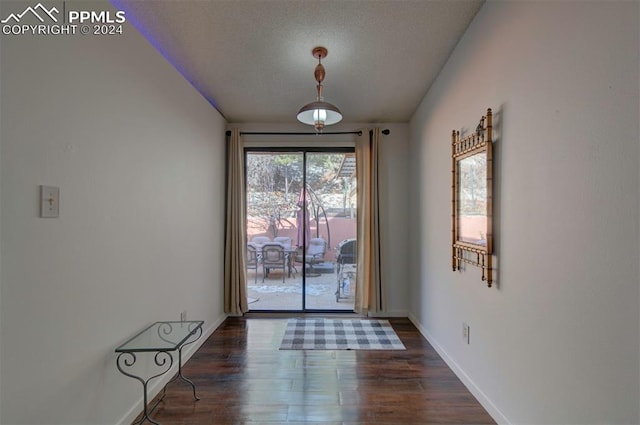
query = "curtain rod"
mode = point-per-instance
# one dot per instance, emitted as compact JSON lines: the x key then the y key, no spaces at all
{"x":259,"y":133}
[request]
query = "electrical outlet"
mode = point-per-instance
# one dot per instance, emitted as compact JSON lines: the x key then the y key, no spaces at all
{"x":465,"y":332}
{"x":183,"y":316}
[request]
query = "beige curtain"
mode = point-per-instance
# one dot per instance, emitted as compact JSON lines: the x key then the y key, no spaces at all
{"x":235,"y":249}
{"x":369,"y":290}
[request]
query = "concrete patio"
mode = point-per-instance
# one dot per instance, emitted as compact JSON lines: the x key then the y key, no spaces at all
{"x":273,"y":294}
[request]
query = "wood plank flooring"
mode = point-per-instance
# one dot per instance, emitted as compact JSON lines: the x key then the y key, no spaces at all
{"x":242,"y":378}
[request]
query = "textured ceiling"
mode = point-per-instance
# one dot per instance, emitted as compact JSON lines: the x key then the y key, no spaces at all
{"x":252,"y":58}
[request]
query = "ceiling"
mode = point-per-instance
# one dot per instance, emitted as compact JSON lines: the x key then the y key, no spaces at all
{"x":252,"y":58}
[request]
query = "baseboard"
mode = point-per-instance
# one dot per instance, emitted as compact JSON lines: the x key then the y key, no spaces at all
{"x":155,"y":388}
{"x":489,"y":406}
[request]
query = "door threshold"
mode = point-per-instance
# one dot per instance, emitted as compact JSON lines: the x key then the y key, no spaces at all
{"x":289,"y":314}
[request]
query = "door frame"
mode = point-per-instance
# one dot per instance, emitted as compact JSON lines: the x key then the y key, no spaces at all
{"x":303,"y":150}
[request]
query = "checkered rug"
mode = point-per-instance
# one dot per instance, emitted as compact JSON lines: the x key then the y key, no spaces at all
{"x":340,"y":334}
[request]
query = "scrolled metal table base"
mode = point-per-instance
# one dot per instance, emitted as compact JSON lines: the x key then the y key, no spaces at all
{"x":179,"y":375}
{"x":162,"y":359}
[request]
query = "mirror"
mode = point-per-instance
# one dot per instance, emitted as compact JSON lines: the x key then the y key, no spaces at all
{"x":471,"y":199}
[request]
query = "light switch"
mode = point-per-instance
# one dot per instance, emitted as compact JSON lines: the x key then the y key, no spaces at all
{"x":49,"y":201}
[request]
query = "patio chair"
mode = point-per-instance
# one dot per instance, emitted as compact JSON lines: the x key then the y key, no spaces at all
{"x":346,"y":270}
{"x":285,"y":241}
{"x":258,"y":241}
{"x":314,"y":254}
{"x":252,"y":260}
{"x":273,"y":257}
{"x":346,"y":253}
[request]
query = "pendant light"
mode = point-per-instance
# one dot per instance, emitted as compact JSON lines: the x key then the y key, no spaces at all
{"x":319,"y":113}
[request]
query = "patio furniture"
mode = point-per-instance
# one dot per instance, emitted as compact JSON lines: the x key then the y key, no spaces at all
{"x":346,"y":268}
{"x":285,"y":241}
{"x":273,"y":257}
{"x":314,"y":255}
{"x":258,"y":241}
{"x":252,"y":260}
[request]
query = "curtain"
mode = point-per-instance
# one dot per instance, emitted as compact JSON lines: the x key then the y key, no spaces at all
{"x":235,"y":247}
{"x":369,"y":289}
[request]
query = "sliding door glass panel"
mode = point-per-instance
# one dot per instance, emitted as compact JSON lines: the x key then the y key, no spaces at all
{"x":330,"y":207}
{"x":274,"y":182}
{"x":301,"y":229}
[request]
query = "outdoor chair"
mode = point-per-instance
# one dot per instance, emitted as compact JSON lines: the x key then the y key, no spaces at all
{"x":314,"y":254}
{"x":346,"y":269}
{"x":346,"y":253}
{"x":273,"y":257}
{"x":285,"y":241}
{"x":258,"y":241}
{"x":252,"y":260}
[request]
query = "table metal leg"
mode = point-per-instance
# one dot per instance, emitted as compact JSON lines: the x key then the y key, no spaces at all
{"x":162,"y":359}
{"x":180,"y":375}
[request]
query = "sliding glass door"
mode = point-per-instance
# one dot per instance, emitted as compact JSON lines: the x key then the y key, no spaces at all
{"x":301,"y":229}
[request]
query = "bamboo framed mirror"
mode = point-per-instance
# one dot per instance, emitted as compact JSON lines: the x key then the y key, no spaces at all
{"x":472,"y":186}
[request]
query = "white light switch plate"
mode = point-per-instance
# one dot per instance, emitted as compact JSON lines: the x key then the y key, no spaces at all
{"x":49,"y":201}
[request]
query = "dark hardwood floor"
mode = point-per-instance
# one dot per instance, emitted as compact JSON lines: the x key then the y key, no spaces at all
{"x":242,"y":378}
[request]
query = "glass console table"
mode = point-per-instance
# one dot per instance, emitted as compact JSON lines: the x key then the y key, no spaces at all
{"x":160,"y":338}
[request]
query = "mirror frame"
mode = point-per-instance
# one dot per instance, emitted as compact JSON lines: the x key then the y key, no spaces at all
{"x":464,"y":252}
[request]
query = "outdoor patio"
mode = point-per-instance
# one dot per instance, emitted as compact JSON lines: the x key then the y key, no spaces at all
{"x":321,"y":288}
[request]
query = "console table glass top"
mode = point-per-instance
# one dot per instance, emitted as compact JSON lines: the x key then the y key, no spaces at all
{"x":161,"y":336}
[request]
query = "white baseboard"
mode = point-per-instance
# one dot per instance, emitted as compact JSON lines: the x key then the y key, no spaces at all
{"x":156,"y":387}
{"x":491,"y":408}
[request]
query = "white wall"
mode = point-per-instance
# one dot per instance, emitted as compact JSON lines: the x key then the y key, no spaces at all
{"x":556,"y":342}
{"x":394,"y":186}
{"x":1,"y":134}
{"x":138,"y":155}
{"x":395,"y":226}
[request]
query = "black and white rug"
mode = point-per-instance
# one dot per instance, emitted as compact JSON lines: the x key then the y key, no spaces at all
{"x":340,"y":334}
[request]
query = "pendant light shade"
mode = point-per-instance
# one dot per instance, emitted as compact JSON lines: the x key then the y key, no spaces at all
{"x":319,"y":113}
